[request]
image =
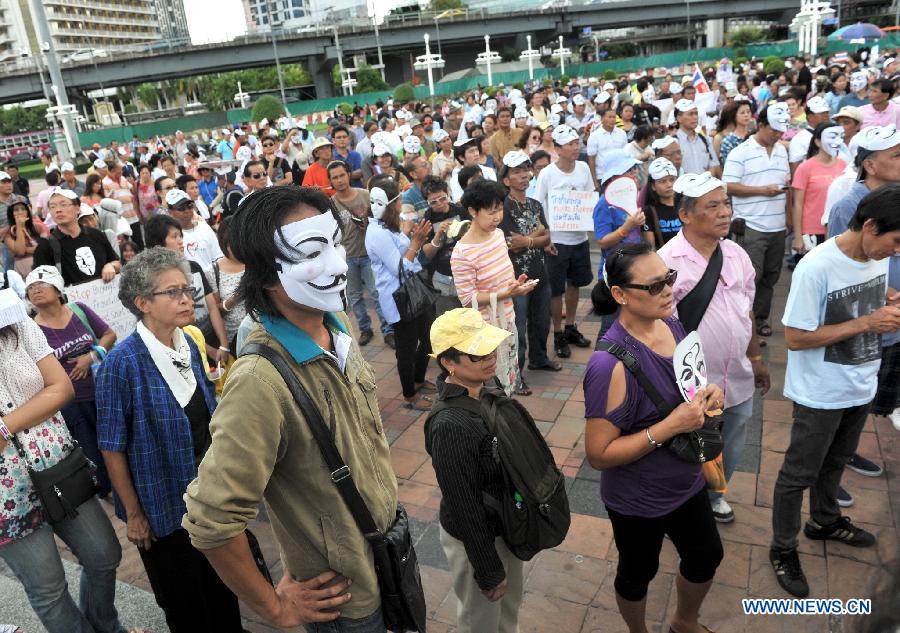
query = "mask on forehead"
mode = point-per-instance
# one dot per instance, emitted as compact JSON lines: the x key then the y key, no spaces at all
{"x":832,"y":140}
{"x":318,"y":277}
{"x":858,"y":81}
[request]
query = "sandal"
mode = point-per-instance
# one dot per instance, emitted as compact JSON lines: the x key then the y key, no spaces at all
{"x":417,"y":405}
{"x":551,"y":366}
{"x":522,"y":389}
{"x":426,"y":386}
{"x":763,"y":329}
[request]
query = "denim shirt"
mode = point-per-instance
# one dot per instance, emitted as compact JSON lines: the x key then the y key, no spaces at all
{"x":138,"y":415}
{"x":386,"y":250}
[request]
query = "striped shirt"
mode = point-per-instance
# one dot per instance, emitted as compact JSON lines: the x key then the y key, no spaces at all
{"x":484,"y":267}
{"x":750,"y":164}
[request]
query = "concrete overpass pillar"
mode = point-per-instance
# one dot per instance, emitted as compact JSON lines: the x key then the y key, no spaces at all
{"x":715,"y":32}
{"x":321,"y":74}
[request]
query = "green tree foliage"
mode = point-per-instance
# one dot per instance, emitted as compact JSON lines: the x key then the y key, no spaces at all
{"x":773,"y":65}
{"x":147,"y":94}
{"x":404,"y":94}
{"x":345,"y":108}
{"x":18,"y":119}
{"x":217,"y":91}
{"x":744,"y":35}
{"x":564,"y":80}
{"x":267,"y":107}
{"x":369,"y":79}
{"x":610,"y":74}
{"x":443,"y":5}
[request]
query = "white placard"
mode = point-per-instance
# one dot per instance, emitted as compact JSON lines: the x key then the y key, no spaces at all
{"x":690,"y":366}
{"x":571,"y":210}
{"x":103,"y":298}
{"x":621,"y":192}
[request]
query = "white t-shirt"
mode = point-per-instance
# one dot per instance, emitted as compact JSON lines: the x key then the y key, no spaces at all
{"x":750,"y":164}
{"x":456,"y":191}
{"x":799,"y":145}
{"x":600,"y":141}
{"x":830,"y":288}
{"x":838,"y":189}
{"x":201,"y":245}
{"x":552,"y":177}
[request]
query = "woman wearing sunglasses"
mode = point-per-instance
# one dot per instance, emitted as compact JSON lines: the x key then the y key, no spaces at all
{"x":647,"y":490}
{"x":154,"y":405}
{"x":277,"y":168}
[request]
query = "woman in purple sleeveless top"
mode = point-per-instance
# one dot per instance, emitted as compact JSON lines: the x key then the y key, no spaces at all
{"x":648,"y":491}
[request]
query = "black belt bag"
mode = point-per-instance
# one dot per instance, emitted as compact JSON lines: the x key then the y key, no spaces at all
{"x":396,"y":566}
{"x":63,"y":487}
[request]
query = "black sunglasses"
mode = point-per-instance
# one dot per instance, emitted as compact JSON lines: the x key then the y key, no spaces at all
{"x":657,"y":286}
{"x":477,"y":359}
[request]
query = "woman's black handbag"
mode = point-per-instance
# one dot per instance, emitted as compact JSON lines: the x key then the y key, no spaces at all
{"x":415,"y":294}
{"x":696,"y":447}
{"x":396,"y":565}
{"x":63,"y":487}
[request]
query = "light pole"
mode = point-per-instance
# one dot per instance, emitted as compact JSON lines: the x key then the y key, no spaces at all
{"x":530,"y":54}
{"x":488,"y":57}
{"x":346,"y":84}
{"x":690,"y":43}
{"x":428,"y":62}
{"x":378,"y":45}
{"x":278,"y":67}
{"x":562,"y":52}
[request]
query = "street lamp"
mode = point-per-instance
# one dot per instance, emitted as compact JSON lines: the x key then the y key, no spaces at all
{"x":278,"y":65}
{"x":348,"y":83}
{"x":428,"y":62}
{"x":562,"y":52}
{"x":530,"y":54}
{"x":378,"y":45}
{"x":488,"y":57}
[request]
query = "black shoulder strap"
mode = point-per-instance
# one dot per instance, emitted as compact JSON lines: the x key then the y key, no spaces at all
{"x":631,"y":364}
{"x":340,"y":472}
{"x":693,"y":305}
{"x":56,"y":248}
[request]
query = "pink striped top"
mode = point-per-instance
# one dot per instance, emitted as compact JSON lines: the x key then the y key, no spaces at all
{"x":484,"y":267}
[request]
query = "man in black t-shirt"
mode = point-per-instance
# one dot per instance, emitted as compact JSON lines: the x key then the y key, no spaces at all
{"x":82,"y":254}
{"x":525,"y":228}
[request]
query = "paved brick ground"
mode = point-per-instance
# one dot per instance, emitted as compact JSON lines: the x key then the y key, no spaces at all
{"x":569,"y":589}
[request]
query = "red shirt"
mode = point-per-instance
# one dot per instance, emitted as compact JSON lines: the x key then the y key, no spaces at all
{"x":317,"y":176}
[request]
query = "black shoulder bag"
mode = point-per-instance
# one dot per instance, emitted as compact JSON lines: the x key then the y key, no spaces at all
{"x":402,"y":596}
{"x":415,"y":294}
{"x":702,"y":445}
{"x":693,"y":305}
{"x":63,"y":487}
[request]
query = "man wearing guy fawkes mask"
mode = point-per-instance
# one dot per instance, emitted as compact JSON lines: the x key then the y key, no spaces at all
{"x":294,"y":284}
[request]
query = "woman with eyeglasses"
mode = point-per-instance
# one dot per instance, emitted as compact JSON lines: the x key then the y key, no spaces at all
{"x":648,"y":491}
{"x":442,"y":213}
{"x":277,"y":168}
{"x":154,"y":405}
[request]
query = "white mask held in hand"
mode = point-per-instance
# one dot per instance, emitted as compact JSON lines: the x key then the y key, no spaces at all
{"x":379,"y":201}
{"x":313,"y":271}
{"x":832,"y":140}
{"x":858,"y":81}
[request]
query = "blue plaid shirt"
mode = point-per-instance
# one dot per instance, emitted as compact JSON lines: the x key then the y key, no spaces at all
{"x":138,"y":415}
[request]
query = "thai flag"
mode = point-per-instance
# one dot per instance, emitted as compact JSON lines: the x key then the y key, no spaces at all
{"x":841,"y":58}
{"x":699,"y":81}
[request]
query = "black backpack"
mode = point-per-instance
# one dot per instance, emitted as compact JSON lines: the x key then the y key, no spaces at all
{"x":534,"y":507}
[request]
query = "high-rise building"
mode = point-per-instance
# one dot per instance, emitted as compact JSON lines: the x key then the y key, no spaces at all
{"x":265,"y":15}
{"x":13,"y":32}
{"x":173,"y":26}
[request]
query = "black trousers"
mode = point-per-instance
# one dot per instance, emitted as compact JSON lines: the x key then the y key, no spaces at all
{"x":693,"y":531}
{"x":412,"y":345}
{"x":187,"y":588}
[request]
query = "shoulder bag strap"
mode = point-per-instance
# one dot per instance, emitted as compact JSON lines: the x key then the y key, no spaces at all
{"x":56,"y":248}
{"x":631,"y":364}
{"x":340,"y":472}
{"x":693,"y":305}
{"x":74,"y":307}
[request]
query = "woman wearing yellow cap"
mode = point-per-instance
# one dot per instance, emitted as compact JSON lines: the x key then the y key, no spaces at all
{"x":487,"y":577}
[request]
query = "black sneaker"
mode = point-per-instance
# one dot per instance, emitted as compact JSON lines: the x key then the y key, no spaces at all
{"x":864,"y":467}
{"x":788,"y":572}
{"x":574,"y":336}
{"x":389,"y":340}
{"x":364,"y":337}
{"x":842,"y":531}
{"x":561,"y":347}
{"x":844,"y":498}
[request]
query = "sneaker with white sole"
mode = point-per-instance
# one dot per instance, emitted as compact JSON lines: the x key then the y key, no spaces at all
{"x":722,"y":512}
{"x":895,"y":418}
{"x":864,"y":467}
{"x":844,"y":498}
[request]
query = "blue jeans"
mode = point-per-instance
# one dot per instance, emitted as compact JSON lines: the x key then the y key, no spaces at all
{"x":734,"y":434}
{"x":372,"y":624}
{"x":7,"y":259}
{"x":36,"y":563}
{"x":81,"y":418}
{"x":533,"y":325}
{"x":359,"y":274}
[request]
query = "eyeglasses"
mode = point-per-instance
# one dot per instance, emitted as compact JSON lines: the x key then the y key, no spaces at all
{"x":436,"y":202}
{"x":257,"y":175}
{"x":657,"y":286}
{"x":176,"y":293}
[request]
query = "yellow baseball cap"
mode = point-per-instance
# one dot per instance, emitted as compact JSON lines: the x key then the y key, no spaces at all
{"x":464,"y":329}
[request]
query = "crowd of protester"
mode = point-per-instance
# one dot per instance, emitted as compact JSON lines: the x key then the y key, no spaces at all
{"x":269,"y":234}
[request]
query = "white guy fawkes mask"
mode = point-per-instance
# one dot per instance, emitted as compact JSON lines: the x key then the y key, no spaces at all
{"x":858,"y":81}
{"x":379,"y":202}
{"x":832,"y":140}
{"x":779,"y":116}
{"x":318,"y":277}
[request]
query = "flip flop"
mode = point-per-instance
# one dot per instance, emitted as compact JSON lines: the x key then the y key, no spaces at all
{"x":415,"y":406}
{"x":523,"y":391}
{"x":426,"y":386}
{"x":550,"y":367}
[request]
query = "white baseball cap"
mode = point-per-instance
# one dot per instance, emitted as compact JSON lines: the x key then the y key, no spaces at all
{"x":67,"y":166}
{"x":684,"y":105}
{"x":697,"y":185}
{"x":578,"y":100}
{"x":100,"y":164}
{"x":85,"y":211}
{"x":563,"y":134}
{"x":380,"y":149}
{"x":65,"y":193}
{"x":675,"y":88}
{"x":515,"y":158}
{"x":817,"y":105}
{"x":48,"y":275}
{"x":662,"y":143}
{"x":439,"y":135}
{"x":602,"y":97}
{"x":175,"y":196}
{"x":609,"y":86}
